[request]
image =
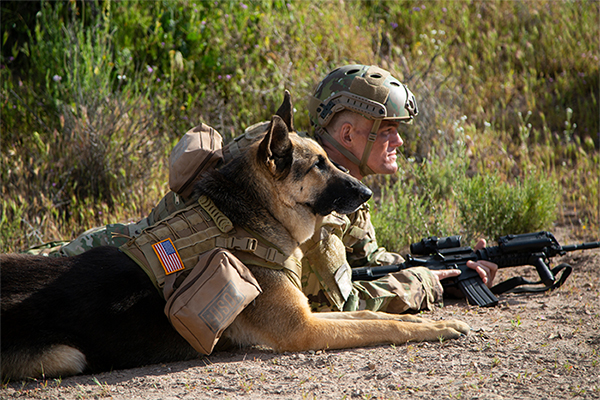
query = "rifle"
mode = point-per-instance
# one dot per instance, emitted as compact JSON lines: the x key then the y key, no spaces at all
{"x":512,"y":251}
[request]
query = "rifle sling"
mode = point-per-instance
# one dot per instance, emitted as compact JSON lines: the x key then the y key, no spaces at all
{"x":510,"y":285}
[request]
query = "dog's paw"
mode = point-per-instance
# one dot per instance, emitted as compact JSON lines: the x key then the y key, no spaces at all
{"x":452,"y":329}
{"x":460,"y":326}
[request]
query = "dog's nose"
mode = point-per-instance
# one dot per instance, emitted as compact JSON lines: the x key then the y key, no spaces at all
{"x":365,"y":193}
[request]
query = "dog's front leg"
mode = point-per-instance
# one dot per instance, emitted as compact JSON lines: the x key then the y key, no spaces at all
{"x":281,"y":318}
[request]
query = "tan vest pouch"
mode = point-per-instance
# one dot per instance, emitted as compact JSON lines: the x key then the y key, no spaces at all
{"x":216,"y":290}
{"x":199,"y":150}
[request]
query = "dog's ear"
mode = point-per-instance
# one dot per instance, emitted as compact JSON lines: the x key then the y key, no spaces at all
{"x":286,"y":111}
{"x":276,"y":151}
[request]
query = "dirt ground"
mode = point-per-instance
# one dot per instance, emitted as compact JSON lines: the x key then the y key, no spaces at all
{"x":531,"y":346}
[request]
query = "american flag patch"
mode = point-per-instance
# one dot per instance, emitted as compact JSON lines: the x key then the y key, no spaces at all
{"x":168,"y":256}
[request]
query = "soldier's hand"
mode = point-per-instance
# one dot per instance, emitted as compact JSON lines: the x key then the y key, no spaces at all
{"x":486,"y":269}
{"x":443,"y":274}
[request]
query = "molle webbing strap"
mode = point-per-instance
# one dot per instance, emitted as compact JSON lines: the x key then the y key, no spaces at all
{"x":190,"y":231}
{"x":198,"y":229}
{"x":251,"y":251}
{"x":251,"y":244}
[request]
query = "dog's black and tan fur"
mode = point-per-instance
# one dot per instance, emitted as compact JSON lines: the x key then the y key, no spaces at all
{"x":99,"y":311}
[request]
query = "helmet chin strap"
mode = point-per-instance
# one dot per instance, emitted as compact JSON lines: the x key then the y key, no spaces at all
{"x":362,"y":163}
{"x":364,"y":169}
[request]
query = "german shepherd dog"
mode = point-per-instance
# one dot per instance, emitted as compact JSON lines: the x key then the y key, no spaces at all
{"x":99,"y":311}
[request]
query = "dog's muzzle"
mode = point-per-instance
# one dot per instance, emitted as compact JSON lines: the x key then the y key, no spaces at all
{"x":344,"y":196}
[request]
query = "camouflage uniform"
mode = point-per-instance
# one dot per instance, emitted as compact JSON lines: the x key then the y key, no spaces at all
{"x":345,"y":241}
{"x":339,"y":243}
{"x":109,"y":235}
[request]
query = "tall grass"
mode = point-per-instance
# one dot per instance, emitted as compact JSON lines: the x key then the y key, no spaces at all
{"x":95,"y":94}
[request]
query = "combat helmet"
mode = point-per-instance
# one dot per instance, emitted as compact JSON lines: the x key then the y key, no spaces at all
{"x":367,"y":90}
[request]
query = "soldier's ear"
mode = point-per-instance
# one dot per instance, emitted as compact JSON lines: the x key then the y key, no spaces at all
{"x":275,"y":151}
{"x":286,"y":111}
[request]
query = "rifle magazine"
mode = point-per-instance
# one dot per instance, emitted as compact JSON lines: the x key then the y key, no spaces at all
{"x":477,"y":292}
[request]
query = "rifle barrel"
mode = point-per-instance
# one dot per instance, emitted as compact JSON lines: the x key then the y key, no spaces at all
{"x":582,"y":246}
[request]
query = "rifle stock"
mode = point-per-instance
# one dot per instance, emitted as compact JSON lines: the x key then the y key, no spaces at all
{"x":512,"y":251}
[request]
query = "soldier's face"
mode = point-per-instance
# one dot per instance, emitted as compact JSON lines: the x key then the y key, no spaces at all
{"x":382,"y":159}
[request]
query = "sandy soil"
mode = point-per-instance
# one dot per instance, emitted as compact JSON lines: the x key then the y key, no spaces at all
{"x":532,"y":346}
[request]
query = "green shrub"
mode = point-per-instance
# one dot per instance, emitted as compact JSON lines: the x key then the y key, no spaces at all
{"x":77,"y":148}
{"x":490,"y":207}
{"x":402,"y":216}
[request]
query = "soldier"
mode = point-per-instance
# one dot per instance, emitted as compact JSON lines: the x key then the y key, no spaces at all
{"x":356,"y":112}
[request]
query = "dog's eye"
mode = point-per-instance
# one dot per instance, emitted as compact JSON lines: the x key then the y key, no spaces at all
{"x":340,"y":167}
{"x":320,"y":164}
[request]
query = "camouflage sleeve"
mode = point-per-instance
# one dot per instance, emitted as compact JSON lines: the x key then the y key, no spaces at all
{"x":109,"y":235}
{"x":409,"y":290}
{"x":361,"y":242}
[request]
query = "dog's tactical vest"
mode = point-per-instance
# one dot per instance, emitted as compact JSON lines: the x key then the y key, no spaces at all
{"x":173,"y":245}
{"x":203,"y":143}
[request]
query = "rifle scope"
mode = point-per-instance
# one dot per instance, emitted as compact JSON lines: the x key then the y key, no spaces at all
{"x":432,"y":244}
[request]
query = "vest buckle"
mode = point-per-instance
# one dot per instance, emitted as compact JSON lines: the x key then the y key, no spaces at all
{"x":271,"y":254}
{"x":251,"y":244}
